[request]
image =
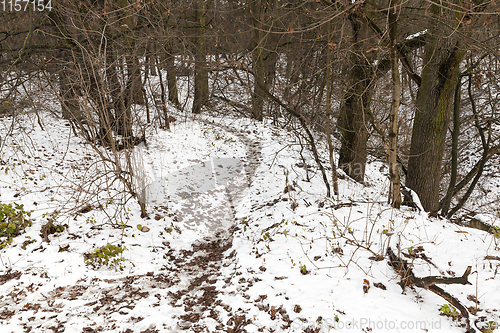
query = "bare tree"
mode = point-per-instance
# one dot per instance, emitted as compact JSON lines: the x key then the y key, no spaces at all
{"x":443,"y":54}
{"x":200,"y":57}
{"x":394,"y":193}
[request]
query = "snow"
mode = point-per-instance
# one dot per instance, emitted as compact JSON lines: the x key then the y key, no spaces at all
{"x":199,"y":185}
{"x":485,"y":218}
{"x":415,"y":35}
{"x":416,"y":200}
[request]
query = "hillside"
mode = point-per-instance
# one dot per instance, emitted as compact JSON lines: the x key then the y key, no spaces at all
{"x":237,"y":239}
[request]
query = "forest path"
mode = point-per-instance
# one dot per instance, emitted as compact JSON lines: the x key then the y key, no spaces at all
{"x":207,"y":193}
{"x":201,"y":266}
{"x":181,"y":296}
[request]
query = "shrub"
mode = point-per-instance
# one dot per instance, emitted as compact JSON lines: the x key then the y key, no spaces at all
{"x":13,"y":220}
{"x":108,"y":255}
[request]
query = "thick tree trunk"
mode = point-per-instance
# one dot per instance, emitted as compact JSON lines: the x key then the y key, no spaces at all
{"x":121,"y":105}
{"x":200,"y":66}
{"x":132,"y":91}
{"x":117,"y":100}
{"x":69,"y":99}
{"x":135,"y":84}
{"x":442,"y":57}
{"x":352,"y":121}
{"x":171,"y":75}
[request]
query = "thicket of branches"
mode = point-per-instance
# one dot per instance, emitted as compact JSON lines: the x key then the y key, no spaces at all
{"x":412,"y":81}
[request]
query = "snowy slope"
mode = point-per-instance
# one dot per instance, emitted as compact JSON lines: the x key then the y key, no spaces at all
{"x":283,"y":269}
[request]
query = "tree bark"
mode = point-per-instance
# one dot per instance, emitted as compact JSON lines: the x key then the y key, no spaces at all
{"x":171,"y":75}
{"x":394,"y":192}
{"x":135,"y":84}
{"x":454,"y":149}
{"x":117,"y":100}
{"x":163,"y":106}
{"x":69,"y":99}
{"x":442,"y":56}
{"x":258,"y":61}
{"x":329,"y":82}
{"x":351,"y":122}
{"x":200,"y":65}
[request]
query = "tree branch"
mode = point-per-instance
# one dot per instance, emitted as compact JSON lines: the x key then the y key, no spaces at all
{"x":408,"y":279}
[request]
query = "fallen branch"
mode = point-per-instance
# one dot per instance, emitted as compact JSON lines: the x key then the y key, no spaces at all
{"x":408,"y":279}
{"x":429,"y":281}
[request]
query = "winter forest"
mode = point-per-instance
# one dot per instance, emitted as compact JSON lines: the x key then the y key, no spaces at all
{"x":249,"y":166}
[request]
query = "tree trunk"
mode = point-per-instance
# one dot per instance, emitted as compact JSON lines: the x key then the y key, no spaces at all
{"x":69,"y":99}
{"x":171,"y":75}
{"x":200,"y":66}
{"x":442,"y":56}
{"x":164,"y":105}
{"x":394,"y":191}
{"x":169,"y":24}
{"x":132,"y":92}
{"x":484,"y":158}
{"x":151,"y":59}
{"x":328,"y":80}
{"x":356,"y":104}
{"x":258,"y":62}
{"x":135,"y":84}
{"x":269,"y":76}
{"x":118,"y":100}
{"x":97,"y":94}
{"x":454,"y":149}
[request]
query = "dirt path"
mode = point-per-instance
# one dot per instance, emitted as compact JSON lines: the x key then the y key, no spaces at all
{"x":182,"y":297}
{"x":202,"y":264}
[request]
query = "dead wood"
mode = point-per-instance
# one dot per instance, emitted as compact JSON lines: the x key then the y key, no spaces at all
{"x":408,"y":279}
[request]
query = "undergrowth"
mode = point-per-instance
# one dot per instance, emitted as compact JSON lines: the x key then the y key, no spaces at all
{"x":13,"y":220}
{"x":109,"y":256}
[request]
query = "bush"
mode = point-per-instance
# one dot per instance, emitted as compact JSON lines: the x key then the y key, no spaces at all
{"x":13,"y":220}
{"x":108,"y":255}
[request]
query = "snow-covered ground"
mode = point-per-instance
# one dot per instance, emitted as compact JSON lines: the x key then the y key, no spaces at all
{"x":278,"y":261}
